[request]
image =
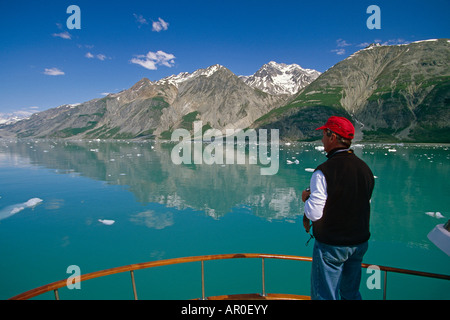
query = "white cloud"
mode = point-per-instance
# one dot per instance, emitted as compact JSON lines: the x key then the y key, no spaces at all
{"x":140,"y":19}
{"x":14,"y":116}
{"x":342,"y":43}
{"x":363,"y":45}
{"x":85,"y":46}
{"x":384,"y":43}
{"x":157,"y":26}
{"x":339,"y":51}
{"x":394,"y":42}
{"x":53,"y":72}
{"x":152,"y":60}
{"x":160,"y":25}
{"x":63,"y":35}
{"x":100,"y":56}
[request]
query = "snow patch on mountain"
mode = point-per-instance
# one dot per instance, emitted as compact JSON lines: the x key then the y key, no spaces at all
{"x":280,"y":78}
{"x":178,"y":79}
{"x":10,"y":118}
{"x":273,"y":78}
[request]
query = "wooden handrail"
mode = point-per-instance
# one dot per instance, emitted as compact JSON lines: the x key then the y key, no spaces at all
{"x":411,"y":272}
{"x":54,"y":286}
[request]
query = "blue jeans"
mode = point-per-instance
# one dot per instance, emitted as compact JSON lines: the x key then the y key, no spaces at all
{"x":336,"y":271}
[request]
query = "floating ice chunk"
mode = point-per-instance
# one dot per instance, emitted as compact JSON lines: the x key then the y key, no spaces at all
{"x":289,"y":162}
{"x":320,"y":148}
{"x":33,"y":202}
{"x":309,"y":169}
{"x":16,"y":208}
{"x":437,"y":215}
{"x":392,"y":150}
{"x":106,"y":222}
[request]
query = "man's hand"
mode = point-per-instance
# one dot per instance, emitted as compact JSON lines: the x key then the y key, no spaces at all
{"x":305,"y":194}
{"x":306,"y":224}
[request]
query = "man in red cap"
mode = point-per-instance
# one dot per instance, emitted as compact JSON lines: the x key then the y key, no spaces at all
{"x":338,"y":204}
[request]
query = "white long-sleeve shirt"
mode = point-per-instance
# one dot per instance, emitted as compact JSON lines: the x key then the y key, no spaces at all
{"x":316,"y":201}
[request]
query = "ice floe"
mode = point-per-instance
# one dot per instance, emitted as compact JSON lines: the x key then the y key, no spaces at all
{"x":106,"y":222}
{"x":435,"y":214}
{"x":309,"y":169}
{"x":16,"y":208}
{"x":319,"y":148}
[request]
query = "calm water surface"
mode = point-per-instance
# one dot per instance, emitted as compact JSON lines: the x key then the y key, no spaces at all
{"x":162,"y":211}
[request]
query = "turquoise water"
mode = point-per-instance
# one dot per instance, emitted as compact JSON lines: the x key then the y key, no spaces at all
{"x":162,"y":211}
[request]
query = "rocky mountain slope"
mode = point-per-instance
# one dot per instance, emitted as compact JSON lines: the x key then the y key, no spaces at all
{"x":391,"y":93}
{"x":214,"y":95}
{"x":394,"y":93}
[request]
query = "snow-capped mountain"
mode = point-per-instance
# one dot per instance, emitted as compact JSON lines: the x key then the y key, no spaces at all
{"x":279,"y":78}
{"x":391,"y":92}
{"x":9,"y":118}
{"x":176,"y":80}
{"x":214,"y":95}
{"x":222,"y":100}
{"x":273,"y":78}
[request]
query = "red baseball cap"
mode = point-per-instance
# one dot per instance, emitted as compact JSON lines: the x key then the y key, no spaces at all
{"x":341,"y":126}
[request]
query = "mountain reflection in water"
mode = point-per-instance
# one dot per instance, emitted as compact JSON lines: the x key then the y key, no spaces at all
{"x":59,"y":190}
{"x":146,"y":169}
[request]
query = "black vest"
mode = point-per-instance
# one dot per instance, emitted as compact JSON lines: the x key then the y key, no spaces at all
{"x":350,"y":182}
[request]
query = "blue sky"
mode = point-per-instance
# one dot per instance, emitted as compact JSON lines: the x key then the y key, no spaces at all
{"x":44,"y":64}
